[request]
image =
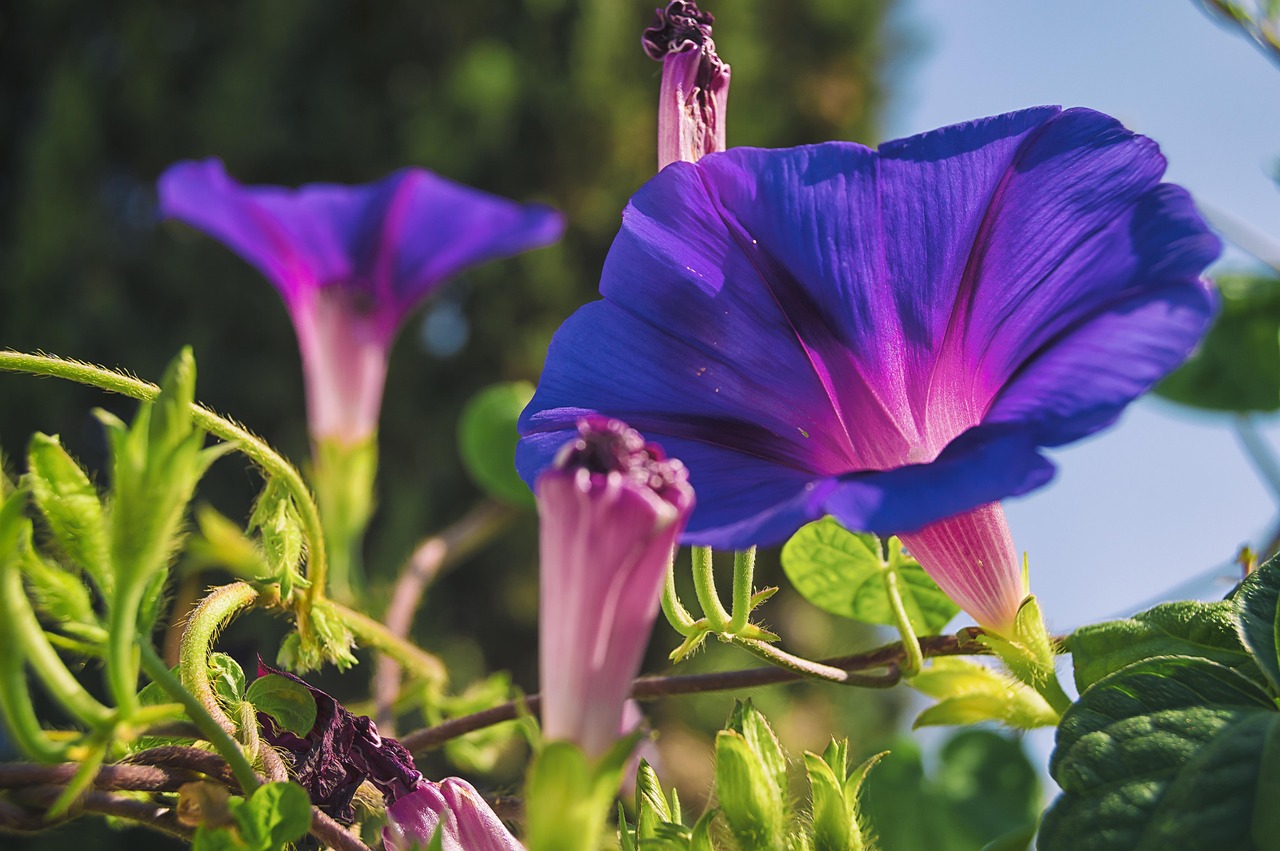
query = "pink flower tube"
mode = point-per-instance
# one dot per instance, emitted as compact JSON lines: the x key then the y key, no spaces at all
{"x":611,"y":508}
{"x":465,"y":820}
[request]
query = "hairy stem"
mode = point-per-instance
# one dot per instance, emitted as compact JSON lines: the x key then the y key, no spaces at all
{"x":252,"y":446}
{"x":744,"y":570}
{"x":704,"y":585}
{"x":217,"y":735}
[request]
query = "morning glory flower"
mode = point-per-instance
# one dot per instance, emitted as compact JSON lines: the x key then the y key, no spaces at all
{"x":888,"y":336}
{"x":695,"y":83}
{"x":351,"y":262}
{"x":610,"y":509}
{"x":465,"y":820}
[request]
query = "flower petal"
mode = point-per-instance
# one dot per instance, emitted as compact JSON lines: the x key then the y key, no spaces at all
{"x":393,"y":241}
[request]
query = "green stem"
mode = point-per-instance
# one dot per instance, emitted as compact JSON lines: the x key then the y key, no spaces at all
{"x":913,"y":659}
{"x":252,"y":446}
{"x":48,"y":666}
{"x":814,"y":670}
{"x":677,"y":615}
{"x":704,"y":585}
{"x":744,"y":569}
{"x":373,"y":633}
{"x":122,"y":640}
{"x":228,"y":747}
{"x":15,"y":703}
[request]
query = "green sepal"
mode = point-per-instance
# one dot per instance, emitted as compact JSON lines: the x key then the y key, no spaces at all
{"x":279,"y":526}
{"x":754,"y":727}
{"x":342,"y":475}
{"x":1029,"y":653}
{"x":222,"y":543}
{"x":71,"y":507}
{"x":1173,"y":752}
{"x":1186,"y":628}
{"x":842,"y":572}
{"x":288,"y":702}
{"x":568,"y":796}
{"x":751,"y":780}
{"x":487,"y":438}
{"x":969,"y":692}
{"x":321,"y":637}
{"x":836,"y":817}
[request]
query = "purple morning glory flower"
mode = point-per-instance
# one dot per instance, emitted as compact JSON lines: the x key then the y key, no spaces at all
{"x":465,"y":820}
{"x":351,"y":262}
{"x":694,"y":95}
{"x":339,"y":753}
{"x":888,"y":336}
{"x":610,"y":509}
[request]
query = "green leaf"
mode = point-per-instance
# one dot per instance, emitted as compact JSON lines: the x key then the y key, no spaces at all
{"x":276,"y":815}
{"x":984,"y":788}
{"x":70,"y":505}
{"x":487,"y":440}
{"x":1168,"y":752}
{"x":842,"y":572}
{"x":1237,"y":367}
{"x":222,"y":543}
{"x":1188,"y":628}
{"x":227,"y":678}
{"x":969,"y":692}
{"x":288,"y":703}
{"x":1259,"y":620}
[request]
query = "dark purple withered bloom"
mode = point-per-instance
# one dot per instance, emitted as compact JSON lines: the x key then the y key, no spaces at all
{"x":351,"y":262}
{"x":610,"y":509}
{"x":888,"y":336}
{"x":695,"y":83}
{"x":339,"y":753}
{"x":453,"y":806}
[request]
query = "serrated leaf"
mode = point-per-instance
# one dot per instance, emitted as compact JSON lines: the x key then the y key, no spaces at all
{"x":1259,"y":618}
{"x":842,"y":572}
{"x":1165,"y":753}
{"x":289,"y":703}
{"x":487,"y":438}
{"x":1237,"y":367}
{"x":1187,"y":628}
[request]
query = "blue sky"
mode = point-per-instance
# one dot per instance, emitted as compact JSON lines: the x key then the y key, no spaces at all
{"x":1166,"y":495}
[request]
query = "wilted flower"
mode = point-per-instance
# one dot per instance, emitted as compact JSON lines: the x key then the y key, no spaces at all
{"x":695,"y":83}
{"x":465,"y":820}
{"x":610,"y":509}
{"x":351,"y":262}
{"x":339,"y":753}
{"x":887,"y":335}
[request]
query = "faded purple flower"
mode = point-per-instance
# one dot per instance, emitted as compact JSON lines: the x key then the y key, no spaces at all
{"x":610,"y":510}
{"x":695,"y":83}
{"x":339,"y":753}
{"x":888,"y":336}
{"x":351,"y":262}
{"x":465,"y":819}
